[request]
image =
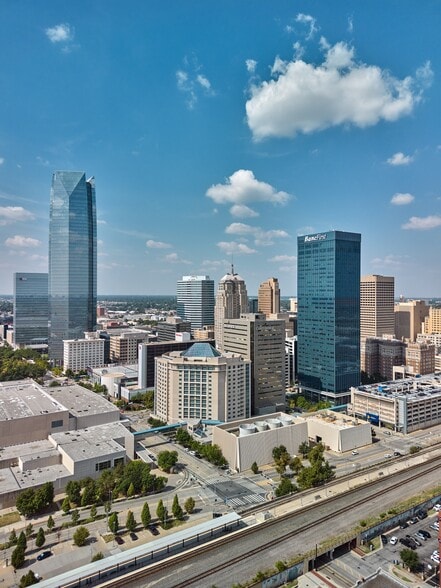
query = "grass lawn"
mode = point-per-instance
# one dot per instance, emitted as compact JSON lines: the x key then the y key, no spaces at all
{"x":9,"y":518}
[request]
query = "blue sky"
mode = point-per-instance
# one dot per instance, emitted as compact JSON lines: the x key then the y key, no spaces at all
{"x":224,"y":129}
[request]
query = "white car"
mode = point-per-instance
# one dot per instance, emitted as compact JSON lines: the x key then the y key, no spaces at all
{"x":393,"y":540}
{"x":354,"y":452}
{"x":435,"y":558}
{"x":437,"y":507}
{"x":388,"y":455}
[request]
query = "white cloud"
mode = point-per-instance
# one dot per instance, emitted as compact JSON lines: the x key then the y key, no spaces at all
{"x":243,"y":187}
{"x":242,"y":211}
{"x":389,"y":260}
{"x":350,"y":24}
{"x":101,"y":222}
{"x":423,"y":223}
{"x":310,"y":22}
{"x":260,"y":236}
{"x":61,"y":33}
{"x":157,"y":244}
{"x":305,"y":98}
{"x":20,"y":241}
{"x":402,"y":199}
{"x":288,"y":258}
{"x":11,"y":214}
{"x":174,"y":258}
{"x":191,"y":82}
{"x":298,"y":50}
{"x":400,"y":159}
{"x":251,"y":65}
{"x":2,"y":160}
{"x":230,"y":247}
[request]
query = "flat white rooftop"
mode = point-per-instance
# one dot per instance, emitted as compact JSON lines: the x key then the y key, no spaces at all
{"x":81,"y":401}
{"x":25,"y":398}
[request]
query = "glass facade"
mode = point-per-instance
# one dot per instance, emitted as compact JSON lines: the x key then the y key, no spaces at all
{"x":328,"y":290}
{"x":72,"y":259}
{"x":31,"y":313}
{"x":195,"y":301}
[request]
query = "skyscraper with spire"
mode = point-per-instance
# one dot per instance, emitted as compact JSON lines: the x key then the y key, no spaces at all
{"x":72,"y":259}
{"x":231,"y":302}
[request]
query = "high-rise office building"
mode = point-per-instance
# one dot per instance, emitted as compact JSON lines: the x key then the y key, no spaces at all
{"x":328,"y":290}
{"x":195,"y":300}
{"x":269,"y":296}
{"x":432,"y":323}
{"x":31,"y":313}
{"x":72,"y":259}
{"x":231,"y":302}
{"x":409,"y":319}
{"x":262,"y":341}
{"x":377,"y":306}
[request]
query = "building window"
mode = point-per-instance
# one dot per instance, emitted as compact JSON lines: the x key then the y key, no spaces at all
{"x":102,"y":465}
{"x":56,"y":424}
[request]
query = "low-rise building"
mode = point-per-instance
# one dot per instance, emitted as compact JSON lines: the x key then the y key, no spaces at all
{"x":405,"y":405}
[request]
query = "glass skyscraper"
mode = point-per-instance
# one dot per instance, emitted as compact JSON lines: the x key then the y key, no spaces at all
{"x":31,"y":313}
{"x":328,"y":290}
{"x":72,"y":259}
{"x":195,"y":301}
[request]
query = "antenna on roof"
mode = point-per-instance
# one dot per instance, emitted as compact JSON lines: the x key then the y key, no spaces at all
{"x":232,"y":265}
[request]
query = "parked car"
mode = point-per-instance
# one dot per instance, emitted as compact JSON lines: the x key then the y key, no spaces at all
{"x":388,"y":455}
{"x":397,"y":454}
{"x":404,"y":541}
{"x":422,"y":514}
{"x":404,"y":525}
{"x":44,"y":555}
{"x":435,"y":558}
{"x":133,"y":536}
{"x":119,"y":539}
{"x":437,"y":507}
{"x":425,"y":533}
{"x":413,"y":541}
{"x":354,"y":452}
{"x":383,"y":539}
{"x":420,"y":535}
{"x":153,"y":530}
{"x":413,"y":520}
{"x":393,"y":540}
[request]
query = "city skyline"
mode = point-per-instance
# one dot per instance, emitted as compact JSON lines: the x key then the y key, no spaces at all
{"x":167,"y":95}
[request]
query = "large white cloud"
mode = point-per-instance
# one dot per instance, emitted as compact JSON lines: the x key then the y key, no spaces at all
{"x":20,"y":241}
{"x":304,"y":98}
{"x":260,"y":236}
{"x":423,"y":223}
{"x":400,"y":199}
{"x":11,"y":214}
{"x":230,"y":247}
{"x":242,"y":187}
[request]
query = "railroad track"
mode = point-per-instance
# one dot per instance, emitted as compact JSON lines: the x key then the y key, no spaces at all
{"x":138,"y":575}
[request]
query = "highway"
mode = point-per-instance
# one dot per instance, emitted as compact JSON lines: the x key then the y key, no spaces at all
{"x":238,"y":557}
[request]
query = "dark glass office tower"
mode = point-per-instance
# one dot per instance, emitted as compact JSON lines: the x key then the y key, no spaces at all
{"x":31,"y":312}
{"x":328,"y":290}
{"x":72,"y":259}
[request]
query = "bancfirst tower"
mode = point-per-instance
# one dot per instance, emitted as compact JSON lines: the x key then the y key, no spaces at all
{"x":72,"y":259}
{"x":231,"y":302}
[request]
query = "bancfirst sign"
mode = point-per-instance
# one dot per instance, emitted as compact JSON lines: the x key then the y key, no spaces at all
{"x":318,"y":237}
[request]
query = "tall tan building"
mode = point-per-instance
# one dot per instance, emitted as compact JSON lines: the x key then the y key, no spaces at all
{"x":432,"y":323}
{"x":377,"y":306}
{"x":409,"y":319}
{"x":231,"y":302}
{"x":263,"y":342}
{"x":202,"y":383}
{"x":269,"y":296}
{"x":421,"y":358}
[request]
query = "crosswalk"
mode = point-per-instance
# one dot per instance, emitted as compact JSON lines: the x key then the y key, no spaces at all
{"x":245,"y":500}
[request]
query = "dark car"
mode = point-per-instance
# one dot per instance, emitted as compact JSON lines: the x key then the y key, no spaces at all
{"x":412,"y":541}
{"x":425,"y":534}
{"x":153,"y":530}
{"x":119,"y":539}
{"x":44,"y":555}
{"x":383,"y":539}
{"x":422,"y":514}
{"x":413,"y":520}
{"x":404,"y":541}
{"x":404,"y":525}
{"x":133,"y":536}
{"x":397,"y":454}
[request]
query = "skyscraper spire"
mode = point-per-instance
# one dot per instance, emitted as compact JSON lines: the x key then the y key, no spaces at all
{"x":231,"y":302}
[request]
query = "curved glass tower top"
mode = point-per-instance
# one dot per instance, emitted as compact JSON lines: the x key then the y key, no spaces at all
{"x":72,"y":259}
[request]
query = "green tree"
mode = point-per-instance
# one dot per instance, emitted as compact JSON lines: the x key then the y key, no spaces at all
{"x":189,"y":505}
{"x":145,"y":515}
{"x":88,"y":495}
{"x":410,"y":559}
{"x":93,"y":511}
{"x":130,"y":522}
{"x":75,"y":515}
{"x":315,"y":454}
{"x":65,"y":507}
{"x":414,"y":449}
{"x":177,"y":511}
{"x":161,"y":513}
{"x":28,"y":579}
{"x":280,"y":566}
{"x":80,"y":536}
{"x":254,"y":468}
{"x":99,"y":555}
{"x":28,"y":530}
{"x":296,"y":465}
{"x":131,"y":490}
{"x":12,"y":538}
{"x":167,"y":459}
{"x":50,"y":523}
{"x":285,"y":487}
{"x":73,"y":491}
{"x":113,"y":523}
{"x":304,"y":449}
{"x":40,"y":539}
{"x":21,"y":541}
{"x":18,"y":557}
{"x":25,"y":503}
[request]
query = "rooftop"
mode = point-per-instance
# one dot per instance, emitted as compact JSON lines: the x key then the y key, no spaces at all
{"x":80,"y":401}
{"x":201,"y":350}
{"x":414,"y":388}
{"x":25,"y":398}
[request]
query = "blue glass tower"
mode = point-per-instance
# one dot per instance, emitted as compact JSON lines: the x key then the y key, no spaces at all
{"x":195,"y":300}
{"x":328,"y":290}
{"x":31,"y":312}
{"x":72,"y":259}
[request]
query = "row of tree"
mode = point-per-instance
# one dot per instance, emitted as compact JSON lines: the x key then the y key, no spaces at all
{"x":21,"y":363}
{"x":211,"y":453}
{"x":33,"y":501}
